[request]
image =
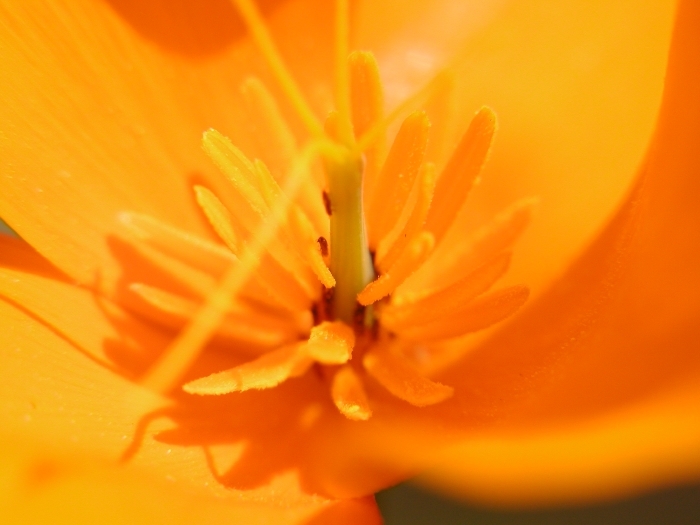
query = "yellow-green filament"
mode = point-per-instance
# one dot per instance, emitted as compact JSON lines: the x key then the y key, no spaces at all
{"x":178,"y":358}
{"x":263,"y":39}
{"x":342,"y":73}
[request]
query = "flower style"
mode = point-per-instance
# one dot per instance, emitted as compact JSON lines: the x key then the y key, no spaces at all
{"x":140,"y":250}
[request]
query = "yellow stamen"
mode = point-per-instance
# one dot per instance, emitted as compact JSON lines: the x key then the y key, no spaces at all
{"x":442,"y":303}
{"x":267,"y":47}
{"x":476,"y":315}
{"x":396,"y":179}
{"x":403,"y":380}
{"x":415,"y":254}
{"x":271,"y":278}
{"x":218,"y":216}
{"x":165,"y":374}
{"x":309,"y":248}
{"x":394,"y":244}
{"x":461,"y":172}
{"x":254,"y":207}
{"x":349,"y":395}
{"x":452,"y":263}
{"x":299,"y":228}
{"x":267,"y":371}
{"x":280,"y":146}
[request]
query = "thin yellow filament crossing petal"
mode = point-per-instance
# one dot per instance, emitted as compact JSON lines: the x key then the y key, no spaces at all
{"x":262,"y":37}
{"x":342,"y":77}
{"x":298,"y":228}
{"x":393,"y":245}
{"x":403,"y":380}
{"x":442,"y":303}
{"x":259,"y":193}
{"x":396,"y":179}
{"x":272,"y":281}
{"x":274,"y":130}
{"x":191,"y":249}
{"x":461,"y":172}
{"x":166,"y":373}
{"x":479,"y":314}
{"x":248,"y":325}
{"x":331,"y":343}
{"x":349,"y":395}
{"x":267,"y":371}
{"x":280,"y":146}
{"x":415,"y":254}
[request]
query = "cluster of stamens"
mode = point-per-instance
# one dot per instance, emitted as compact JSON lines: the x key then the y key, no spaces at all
{"x":346,"y":269}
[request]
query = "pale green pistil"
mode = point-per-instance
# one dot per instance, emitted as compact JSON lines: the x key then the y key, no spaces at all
{"x":350,"y":263}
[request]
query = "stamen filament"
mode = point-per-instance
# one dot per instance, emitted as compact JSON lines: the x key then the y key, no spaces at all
{"x":263,"y":39}
{"x":169,"y":369}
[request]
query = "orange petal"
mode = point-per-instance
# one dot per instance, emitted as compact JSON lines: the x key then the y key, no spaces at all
{"x":45,"y":486}
{"x":625,"y":452}
{"x":592,"y":391}
{"x":65,"y":421}
{"x":106,"y":121}
{"x":401,"y":379}
{"x":97,"y":326}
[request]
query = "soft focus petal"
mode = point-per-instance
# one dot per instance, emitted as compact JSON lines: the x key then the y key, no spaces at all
{"x":103,"y":111}
{"x":576,"y":86}
{"x":601,"y":372}
{"x":66,"y":419}
{"x":42,"y":486}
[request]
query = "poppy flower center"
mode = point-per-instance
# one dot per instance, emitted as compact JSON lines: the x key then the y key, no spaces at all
{"x":345,"y":270}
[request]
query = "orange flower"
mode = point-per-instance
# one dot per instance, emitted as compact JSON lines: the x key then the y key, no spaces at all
{"x":114,"y":209}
